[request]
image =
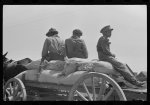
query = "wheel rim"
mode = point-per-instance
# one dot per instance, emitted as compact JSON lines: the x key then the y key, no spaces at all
{"x":14,"y":90}
{"x":96,"y":86}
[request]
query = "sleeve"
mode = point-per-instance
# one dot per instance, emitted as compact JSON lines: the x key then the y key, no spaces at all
{"x":105,"y":47}
{"x":69,"y":47}
{"x":85,"y":52}
{"x":45,"y":49}
{"x":66,"y":49}
{"x":98,"y":45}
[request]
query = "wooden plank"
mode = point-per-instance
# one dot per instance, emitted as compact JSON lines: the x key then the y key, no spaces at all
{"x":47,"y":85}
{"x":134,"y":95}
{"x":136,"y":90}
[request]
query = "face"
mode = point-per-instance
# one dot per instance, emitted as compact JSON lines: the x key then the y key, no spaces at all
{"x":107,"y":33}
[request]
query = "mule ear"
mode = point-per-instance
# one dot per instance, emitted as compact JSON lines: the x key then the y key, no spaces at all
{"x":5,"y":54}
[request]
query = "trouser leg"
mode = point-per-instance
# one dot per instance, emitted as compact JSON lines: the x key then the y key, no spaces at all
{"x":123,"y":70}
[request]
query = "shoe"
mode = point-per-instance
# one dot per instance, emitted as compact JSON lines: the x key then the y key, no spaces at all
{"x":138,"y":83}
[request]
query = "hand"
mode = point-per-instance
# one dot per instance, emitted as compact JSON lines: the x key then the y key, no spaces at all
{"x":40,"y":67}
{"x":66,"y":58}
{"x":113,"y":55}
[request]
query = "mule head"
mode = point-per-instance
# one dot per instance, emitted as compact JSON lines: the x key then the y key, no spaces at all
{"x":6,"y":60}
{"x":24,"y":61}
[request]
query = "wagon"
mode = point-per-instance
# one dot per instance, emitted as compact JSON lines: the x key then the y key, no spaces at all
{"x":79,"y":86}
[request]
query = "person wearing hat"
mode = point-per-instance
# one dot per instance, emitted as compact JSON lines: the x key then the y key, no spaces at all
{"x":104,"y":54}
{"x":54,"y":47}
{"x":75,"y":46}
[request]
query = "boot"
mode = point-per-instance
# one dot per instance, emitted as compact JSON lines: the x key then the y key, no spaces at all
{"x":137,"y":83}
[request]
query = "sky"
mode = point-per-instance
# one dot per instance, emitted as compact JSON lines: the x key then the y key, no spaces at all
{"x":25,"y":26}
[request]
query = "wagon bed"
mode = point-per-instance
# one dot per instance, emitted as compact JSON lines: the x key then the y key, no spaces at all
{"x":78,"y":85}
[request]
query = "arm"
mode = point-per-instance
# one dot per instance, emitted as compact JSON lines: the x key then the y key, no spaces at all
{"x":69,"y":47}
{"x":66,"y":49}
{"x":99,"y":45}
{"x":65,"y":52}
{"x":85,"y":52}
{"x":105,"y":47}
{"x":44,"y":50}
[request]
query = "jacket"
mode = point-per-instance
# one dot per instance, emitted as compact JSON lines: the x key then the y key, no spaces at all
{"x":103,"y":48}
{"x":75,"y":47}
{"x":53,"y":48}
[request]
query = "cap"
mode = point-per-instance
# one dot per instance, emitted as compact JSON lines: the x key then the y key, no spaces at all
{"x":106,"y":28}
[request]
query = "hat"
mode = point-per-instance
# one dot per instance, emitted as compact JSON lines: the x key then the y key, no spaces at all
{"x":77,"y":32}
{"x":106,"y":28}
{"x":51,"y":32}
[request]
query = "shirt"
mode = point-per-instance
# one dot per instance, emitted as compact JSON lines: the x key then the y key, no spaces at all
{"x":103,"y":48}
{"x":53,"y":44}
{"x":75,"y":47}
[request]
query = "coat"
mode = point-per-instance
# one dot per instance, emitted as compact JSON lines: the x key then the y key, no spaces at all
{"x":53,"y":48}
{"x":103,"y":48}
{"x":75,"y":47}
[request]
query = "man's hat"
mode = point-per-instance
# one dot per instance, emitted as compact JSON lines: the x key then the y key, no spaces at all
{"x":51,"y":32}
{"x":106,"y":28}
{"x":77,"y":32}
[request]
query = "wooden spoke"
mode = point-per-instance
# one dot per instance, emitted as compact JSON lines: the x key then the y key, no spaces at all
{"x":107,"y":86}
{"x":14,"y":90}
{"x":81,"y":95}
{"x":16,"y":87}
{"x":93,"y":88}
{"x":85,"y":87}
{"x":8,"y":92}
{"x":18,"y":96}
{"x":108,"y":94}
{"x":102,"y":89}
{"x":11,"y":88}
{"x":4,"y":98}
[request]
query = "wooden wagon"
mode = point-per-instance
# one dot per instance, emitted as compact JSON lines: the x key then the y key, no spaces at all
{"x":80,"y":86}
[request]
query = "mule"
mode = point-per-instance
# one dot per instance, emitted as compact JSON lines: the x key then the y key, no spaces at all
{"x":11,"y":67}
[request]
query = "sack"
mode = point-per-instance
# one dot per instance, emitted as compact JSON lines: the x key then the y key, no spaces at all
{"x":70,"y":67}
{"x":52,"y":65}
{"x":85,"y":66}
{"x":76,"y":64}
{"x":33,"y":65}
{"x":56,"y":65}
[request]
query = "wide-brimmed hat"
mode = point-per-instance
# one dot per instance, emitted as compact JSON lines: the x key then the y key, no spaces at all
{"x":77,"y":32}
{"x":106,"y":28}
{"x":51,"y":32}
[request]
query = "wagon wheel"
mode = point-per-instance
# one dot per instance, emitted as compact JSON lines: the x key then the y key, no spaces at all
{"x":14,"y":90}
{"x":96,"y":86}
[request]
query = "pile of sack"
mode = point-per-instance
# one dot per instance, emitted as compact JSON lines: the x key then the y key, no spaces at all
{"x":72,"y":65}
{"x":52,"y":65}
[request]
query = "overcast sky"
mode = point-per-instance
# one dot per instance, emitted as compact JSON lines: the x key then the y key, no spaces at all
{"x":25,"y":26}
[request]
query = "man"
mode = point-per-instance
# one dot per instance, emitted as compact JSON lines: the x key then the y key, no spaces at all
{"x":104,"y":54}
{"x":75,"y":47}
{"x":54,"y":47}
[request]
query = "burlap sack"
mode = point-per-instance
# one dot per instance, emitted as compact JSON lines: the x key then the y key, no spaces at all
{"x":69,"y":67}
{"x":52,"y":65}
{"x":85,"y":66}
{"x":79,"y":64}
{"x":56,"y":65}
{"x":34,"y":65}
{"x":76,"y":64}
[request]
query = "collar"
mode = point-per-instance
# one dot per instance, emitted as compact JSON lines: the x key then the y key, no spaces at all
{"x":75,"y":37}
{"x":56,"y":35}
